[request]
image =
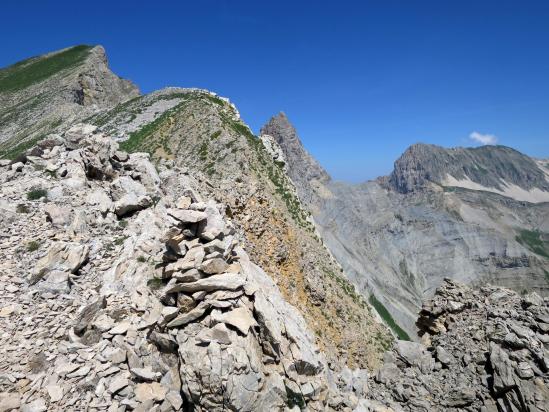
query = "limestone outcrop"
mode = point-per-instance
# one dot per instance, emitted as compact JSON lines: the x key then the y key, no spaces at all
{"x":150,"y":306}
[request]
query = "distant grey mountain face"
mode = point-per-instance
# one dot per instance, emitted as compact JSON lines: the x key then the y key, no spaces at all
{"x":474,"y":215}
{"x":497,"y":169}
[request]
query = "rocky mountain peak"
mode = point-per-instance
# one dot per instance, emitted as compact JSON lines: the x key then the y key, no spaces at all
{"x":497,"y":169}
{"x":279,"y":121}
{"x":48,"y":93}
{"x":303,"y":169}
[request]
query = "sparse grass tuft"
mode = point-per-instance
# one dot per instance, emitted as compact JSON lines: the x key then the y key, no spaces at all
{"x":155,"y":283}
{"x":120,"y":240}
{"x":33,"y":246}
{"x":36,"y":194}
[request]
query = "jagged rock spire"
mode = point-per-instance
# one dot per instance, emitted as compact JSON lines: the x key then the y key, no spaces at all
{"x":303,"y":169}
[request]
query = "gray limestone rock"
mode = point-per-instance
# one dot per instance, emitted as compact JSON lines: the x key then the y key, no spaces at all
{"x":62,"y":256}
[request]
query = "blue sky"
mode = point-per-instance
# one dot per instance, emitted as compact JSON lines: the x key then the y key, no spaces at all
{"x":361,"y":80}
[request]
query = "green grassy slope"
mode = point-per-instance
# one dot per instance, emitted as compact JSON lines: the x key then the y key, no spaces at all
{"x":34,"y":70}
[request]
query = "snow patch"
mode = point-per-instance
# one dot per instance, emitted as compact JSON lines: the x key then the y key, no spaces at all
{"x":510,"y":190}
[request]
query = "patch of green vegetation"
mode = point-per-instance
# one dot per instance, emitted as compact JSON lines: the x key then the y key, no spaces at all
{"x":120,"y":240}
{"x":546,"y":275}
{"x":210,"y":169}
{"x":141,"y":139}
{"x":102,"y":119}
{"x":213,"y":99}
{"x":278,"y":178}
{"x":12,"y":114}
{"x":386,"y":316}
{"x":534,"y":240}
{"x":141,"y":259}
{"x":34,"y":70}
{"x":215,"y":135}
{"x":123,"y":224}
{"x":12,"y":152}
{"x":36,"y":194}
{"x":203,"y":151}
{"x":155,"y":283}
{"x":33,"y":246}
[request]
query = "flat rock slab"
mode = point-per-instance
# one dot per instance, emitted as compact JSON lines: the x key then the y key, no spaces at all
{"x":240,"y":318}
{"x":120,"y":329}
{"x":117,"y":384}
{"x":187,"y":216}
{"x":55,"y":392}
{"x":189,"y":316}
{"x":150,"y":391}
{"x":226,"y":281}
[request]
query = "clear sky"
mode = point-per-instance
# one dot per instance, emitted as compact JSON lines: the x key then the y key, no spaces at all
{"x":360,"y":80}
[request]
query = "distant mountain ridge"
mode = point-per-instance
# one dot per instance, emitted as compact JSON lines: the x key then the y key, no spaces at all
{"x":492,"y":168}
{"x":476,"y":215}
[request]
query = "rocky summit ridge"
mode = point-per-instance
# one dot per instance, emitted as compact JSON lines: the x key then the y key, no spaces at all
{"x":139,"y":295}
{"x":159,"y":256}
{"x":43,"y":94}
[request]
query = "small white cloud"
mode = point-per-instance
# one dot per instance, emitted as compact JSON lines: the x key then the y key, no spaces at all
{"x":483,"y":138}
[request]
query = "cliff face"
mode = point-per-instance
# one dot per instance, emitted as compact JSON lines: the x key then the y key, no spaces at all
{"x":305,"y":171}
{"x":397,"y":238}
{"x":45,"y":94}
{"x":498,"y":169}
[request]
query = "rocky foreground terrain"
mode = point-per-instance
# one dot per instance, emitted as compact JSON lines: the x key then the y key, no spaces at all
{"x":119,"y":294}
{"x":160,"y":257}
{"x":201,"y":134}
